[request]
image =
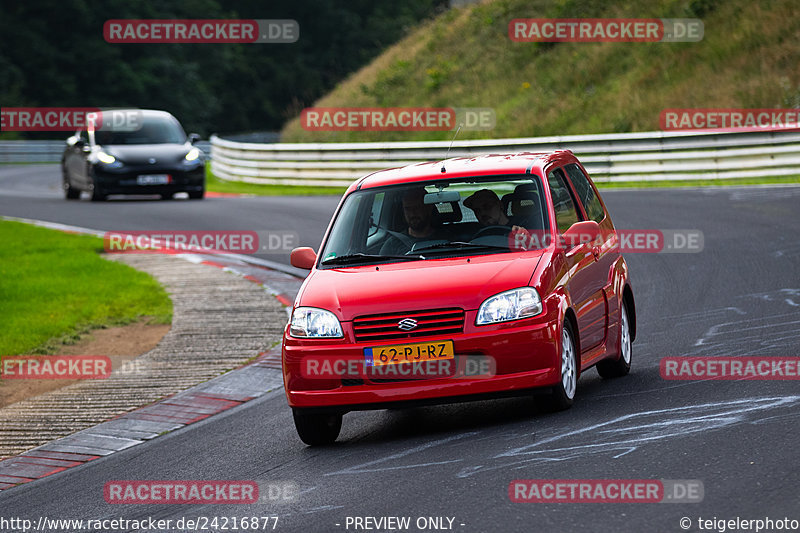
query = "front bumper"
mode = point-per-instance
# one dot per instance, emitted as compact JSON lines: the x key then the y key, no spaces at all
{"x":524,"y":353}
{"x":125,"y":182}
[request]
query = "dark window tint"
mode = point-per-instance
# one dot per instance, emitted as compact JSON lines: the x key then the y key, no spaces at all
{"x":586,"y":194}
{"x":563,"y":204}
{"x":153,"y":130}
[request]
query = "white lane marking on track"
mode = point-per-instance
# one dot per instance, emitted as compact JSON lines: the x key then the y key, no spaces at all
{"x":364,"y":467}
{"x":625,"y":434}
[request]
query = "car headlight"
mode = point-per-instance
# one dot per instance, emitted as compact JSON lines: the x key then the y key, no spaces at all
{"x":105,"y":158}
{"x":193,"y":154}
{"x":510,"y":305}
{"x":312,"y":322}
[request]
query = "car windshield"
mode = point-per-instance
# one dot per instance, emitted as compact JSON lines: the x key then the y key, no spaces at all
{"x":154,"y":130}
{"x":442,"y":218}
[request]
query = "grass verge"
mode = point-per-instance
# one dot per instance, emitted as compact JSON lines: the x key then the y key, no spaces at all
{"x":55,"y":287}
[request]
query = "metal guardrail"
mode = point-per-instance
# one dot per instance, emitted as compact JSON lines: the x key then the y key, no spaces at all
{"x":49,"y":151}
{"x":641,"y":156}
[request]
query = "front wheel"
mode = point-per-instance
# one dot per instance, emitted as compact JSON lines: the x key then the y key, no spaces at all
{"x":70,"y":193}
{"x":622,"y":365}
{"x":317,"y":429}
{"x":563,"y":392}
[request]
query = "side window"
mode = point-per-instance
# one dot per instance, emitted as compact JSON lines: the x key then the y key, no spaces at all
{"x":592,"y":205}
{"x":563,"y":204}
{"x":375,"y":214}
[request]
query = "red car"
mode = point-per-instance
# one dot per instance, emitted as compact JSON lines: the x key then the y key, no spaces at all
{"x":459,"y":280}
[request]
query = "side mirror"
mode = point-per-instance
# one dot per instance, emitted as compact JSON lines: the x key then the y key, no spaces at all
{"x":581,"y":233}
{"x":193,"y":138}
{"x":74,"y":140}
{"x":303,"y":257}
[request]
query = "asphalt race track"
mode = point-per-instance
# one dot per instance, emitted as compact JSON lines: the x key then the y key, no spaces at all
{"x":739,"y":296}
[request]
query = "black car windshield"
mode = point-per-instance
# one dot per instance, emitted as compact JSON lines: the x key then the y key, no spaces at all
{"x":153,"y":130}
{"x":442,"y":218}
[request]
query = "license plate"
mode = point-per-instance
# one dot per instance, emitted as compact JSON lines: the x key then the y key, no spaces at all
{"x":153,"y":179}
{"x":396,"y":354}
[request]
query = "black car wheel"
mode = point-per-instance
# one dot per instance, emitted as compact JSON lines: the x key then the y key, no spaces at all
{"x":70,"y":193}
{"x":317,"y":429}
{"x":622,"y":365}
{"x":563,"y":393}
{"x":197,"y":195}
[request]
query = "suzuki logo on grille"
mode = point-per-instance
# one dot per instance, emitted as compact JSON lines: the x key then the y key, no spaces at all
{"x":152,"y":160}
{"x":407,"y":324}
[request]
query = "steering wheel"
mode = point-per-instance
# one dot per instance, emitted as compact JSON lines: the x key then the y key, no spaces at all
{"x":403,"y":238}
{"x":492,"y":230}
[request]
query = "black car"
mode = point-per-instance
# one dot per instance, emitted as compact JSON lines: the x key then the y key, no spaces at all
{"x":147,"y":154}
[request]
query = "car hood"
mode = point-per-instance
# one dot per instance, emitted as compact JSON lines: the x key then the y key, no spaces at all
{"x":140,"y":154}
{"x":463,"y":282}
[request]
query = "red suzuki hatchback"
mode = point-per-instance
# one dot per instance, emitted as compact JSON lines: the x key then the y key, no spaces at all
{"x":459,"y":280}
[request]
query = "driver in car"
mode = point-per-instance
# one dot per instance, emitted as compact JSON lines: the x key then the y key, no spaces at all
{"x":419,"y":218}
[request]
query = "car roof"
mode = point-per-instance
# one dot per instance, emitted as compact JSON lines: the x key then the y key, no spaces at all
{"x":481,"y":165}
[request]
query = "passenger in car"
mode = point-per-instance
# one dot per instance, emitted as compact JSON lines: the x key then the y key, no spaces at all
{"x":489,"y":211}
{"x":487,"y":207}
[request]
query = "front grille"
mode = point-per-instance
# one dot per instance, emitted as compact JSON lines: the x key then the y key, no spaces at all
{"x":429,"y":322}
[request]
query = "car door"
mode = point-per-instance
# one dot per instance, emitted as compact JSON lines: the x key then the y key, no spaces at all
{"x":75,"y":160}
{"x":586,"y":281}
{"x":607,"y":253}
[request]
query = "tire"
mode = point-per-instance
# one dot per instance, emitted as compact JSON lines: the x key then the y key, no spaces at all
{"x":69,"y":192}
{"x":166,"y":196}
{"x":98,"y":196}
{"x":622,"y":365}
{"x":563,"y":393}
{"x":197,"y":195}
{"x":317,"y":429}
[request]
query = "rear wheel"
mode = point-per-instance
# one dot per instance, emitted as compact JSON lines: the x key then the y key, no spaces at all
{"x":197,"y":195}
{"x":98,"y":196}
{"x":317,"y":429}
{"x":622,"y":365}
{"x":563,"y":392}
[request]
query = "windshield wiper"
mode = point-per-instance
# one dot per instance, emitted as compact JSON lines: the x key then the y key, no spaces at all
{"x":361,"y":257}
{"x":455,"y":245}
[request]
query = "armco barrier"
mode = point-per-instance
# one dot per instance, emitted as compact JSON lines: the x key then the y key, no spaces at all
{"x":48,"y":151}
{"x":608,"y":157}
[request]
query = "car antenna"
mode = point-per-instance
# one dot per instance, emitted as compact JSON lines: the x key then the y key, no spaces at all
{"x":448,"y":148}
